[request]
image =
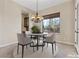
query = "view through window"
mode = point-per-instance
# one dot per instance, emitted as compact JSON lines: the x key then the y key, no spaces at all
{"x":51,"y":25}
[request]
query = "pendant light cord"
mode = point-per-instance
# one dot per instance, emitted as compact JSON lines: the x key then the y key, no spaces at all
{"x":36,"y":6}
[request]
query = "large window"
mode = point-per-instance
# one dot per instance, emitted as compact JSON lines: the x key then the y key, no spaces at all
{"x":51,"y":23}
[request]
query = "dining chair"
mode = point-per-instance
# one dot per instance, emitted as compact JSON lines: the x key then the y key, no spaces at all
{"x":51,"y":40}
{"x":23,"y":41}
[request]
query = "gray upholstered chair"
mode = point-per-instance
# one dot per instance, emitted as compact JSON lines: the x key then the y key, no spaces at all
{"x":51,"y":40}
{"x":23,"y":41}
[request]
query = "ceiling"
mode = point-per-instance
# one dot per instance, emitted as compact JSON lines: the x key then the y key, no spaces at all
{"x":43,"y":4}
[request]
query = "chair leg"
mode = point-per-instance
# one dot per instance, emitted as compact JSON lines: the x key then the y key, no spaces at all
{"x":55,"y":46}
{"x":42,"y":48}
{"x":17,"y":48}
{"x":47,"y":44}
{"x":30,"y":44}
{"x":33,"y":48}
{"x":22,"y":51}
{"x":52,"y":49}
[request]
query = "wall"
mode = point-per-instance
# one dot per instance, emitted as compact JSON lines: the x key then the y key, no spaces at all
{"x":31,"y":23}
{"x":10,"y":21}
{"x":30,"y":14}
{"x":66,"y":10}
{"x":1,"y":17}
{"x":23,"y":16}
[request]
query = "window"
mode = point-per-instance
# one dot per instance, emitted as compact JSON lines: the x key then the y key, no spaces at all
{"x":51,"y":24}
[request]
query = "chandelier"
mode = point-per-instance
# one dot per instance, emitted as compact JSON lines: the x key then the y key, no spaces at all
{"x":37,"y":18}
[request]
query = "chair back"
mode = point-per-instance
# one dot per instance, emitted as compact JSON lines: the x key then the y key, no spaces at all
{"x":51,"y":38}
{"x":21,"y":39}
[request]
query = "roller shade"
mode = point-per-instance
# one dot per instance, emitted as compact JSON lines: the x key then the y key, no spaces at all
{"x":54,"y":15}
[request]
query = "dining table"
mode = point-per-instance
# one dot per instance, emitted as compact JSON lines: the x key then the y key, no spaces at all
{"x":37,"y":37}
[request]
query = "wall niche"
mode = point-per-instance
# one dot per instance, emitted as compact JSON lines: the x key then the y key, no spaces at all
{"x":25,"y":22}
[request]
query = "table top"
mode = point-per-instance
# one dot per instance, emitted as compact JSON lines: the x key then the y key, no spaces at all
{"x":37,"y":34}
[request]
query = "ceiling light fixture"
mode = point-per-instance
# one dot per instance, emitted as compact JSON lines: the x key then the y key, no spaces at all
{"x":37,"y":18}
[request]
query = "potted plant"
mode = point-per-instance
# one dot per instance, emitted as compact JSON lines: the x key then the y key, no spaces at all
{"x":35,"y":29}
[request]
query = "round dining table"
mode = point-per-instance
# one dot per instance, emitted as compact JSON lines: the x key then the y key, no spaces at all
{"x":37,"y":36}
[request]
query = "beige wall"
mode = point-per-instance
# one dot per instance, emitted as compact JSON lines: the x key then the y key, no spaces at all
{"x":10,"y":21}
{"x":1,"y":17}
{"x":67,"y":20}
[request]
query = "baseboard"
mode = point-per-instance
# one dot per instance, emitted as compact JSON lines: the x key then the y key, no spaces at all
{"x":77,"y":48}
{"x":67,"y":43}
{"x":4,"y":45}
